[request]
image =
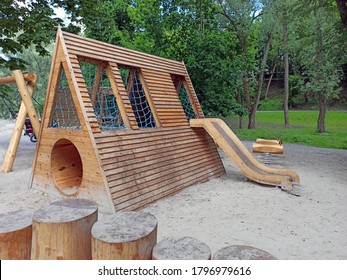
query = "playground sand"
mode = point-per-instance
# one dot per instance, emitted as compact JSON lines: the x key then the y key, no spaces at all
{"x":231,"y":210}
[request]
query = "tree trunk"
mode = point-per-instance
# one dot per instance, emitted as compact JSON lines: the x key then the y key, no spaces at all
{"x":124,"y":236}
{"x":251,"y":119}
{"x":270,"y":80}
{"x":15,"y":235}
{"x":342,"y":6}
{"x":322,"y":111}
{"x":320,"y":55}
{"x":286,"y":74}
{"x":239,"y":100}
{"x":247,"y":90}
{"x":62,"y":230}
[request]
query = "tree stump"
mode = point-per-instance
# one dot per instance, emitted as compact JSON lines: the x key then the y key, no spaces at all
{"x":124,"y":236}
{"x":62,"y":230}
{"x":242,"y":252}
{"x":186,"y":248}
{"x":15,"y":235}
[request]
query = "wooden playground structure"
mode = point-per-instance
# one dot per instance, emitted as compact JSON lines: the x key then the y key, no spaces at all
{"x":125,"y":129}
{"x":115,"y":127}
{"x":26,"y":86}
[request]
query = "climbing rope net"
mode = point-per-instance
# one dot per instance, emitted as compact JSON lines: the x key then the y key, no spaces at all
{"x":185,"y":101}
{"x":137,"y":97}
{"x":104,"y":101}
{"x":64,"y":113}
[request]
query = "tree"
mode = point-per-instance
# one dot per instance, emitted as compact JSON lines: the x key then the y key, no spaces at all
{"x":24,"y":23}
{"x":319,"y":45}
{"x":342,"y":7}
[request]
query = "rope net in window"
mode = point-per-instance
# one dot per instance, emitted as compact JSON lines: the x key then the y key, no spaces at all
{"x":64,"y":112}
{"x":104,"y":101}
{"x":137,"y":97}
{"x":185,"y":101}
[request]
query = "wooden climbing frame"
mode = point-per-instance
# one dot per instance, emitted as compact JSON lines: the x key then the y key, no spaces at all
{"x":26,"y":86}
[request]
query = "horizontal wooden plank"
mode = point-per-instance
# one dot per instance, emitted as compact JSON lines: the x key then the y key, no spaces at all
{"x":157,"y":165}
{"x":137,"y":179}
{"x":129,"y":160}
{"x":99,"y":51}
{"x":142,"y":202}
{"x":109,"y":152}
{"x":184,"y":180}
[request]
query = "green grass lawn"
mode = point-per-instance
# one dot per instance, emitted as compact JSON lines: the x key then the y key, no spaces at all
{"x":302,"y":129}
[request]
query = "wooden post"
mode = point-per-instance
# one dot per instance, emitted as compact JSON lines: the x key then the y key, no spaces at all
{"x":15,"y":235}
{"x":242,"y":252}
{"x":62,"y":230}
{"x":11,"y":152}
{"x":124,"y":236}
{"x":186,"y":248}
{"x":26,"y":97}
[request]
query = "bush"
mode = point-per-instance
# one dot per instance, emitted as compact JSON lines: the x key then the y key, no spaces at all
{"x":270,"y":105}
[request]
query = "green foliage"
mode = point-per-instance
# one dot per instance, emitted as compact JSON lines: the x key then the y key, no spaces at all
{"x":24,"y":23}
{"x":220,"y":42}
{"x":270,"y":105}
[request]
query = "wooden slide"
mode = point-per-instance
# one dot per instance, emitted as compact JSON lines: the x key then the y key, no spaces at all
{"x":237,"y":152}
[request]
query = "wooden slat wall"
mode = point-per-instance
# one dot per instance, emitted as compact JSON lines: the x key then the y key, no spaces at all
{"x":146,"y":165}
{"x":165,"y":98}
{"x":81,"y":46}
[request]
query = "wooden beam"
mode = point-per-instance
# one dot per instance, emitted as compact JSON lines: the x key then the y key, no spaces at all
{"x":149,"y":99}
{"x":26,"y":97}
{"x":116,"y":93}
{"x":11,"y":152}
{"x":11,"y":80}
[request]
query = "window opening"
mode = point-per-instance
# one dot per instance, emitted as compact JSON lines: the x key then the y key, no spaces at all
{"x":137,"y":97}
{"x":64,"y":112}
{"x":103,"y":99}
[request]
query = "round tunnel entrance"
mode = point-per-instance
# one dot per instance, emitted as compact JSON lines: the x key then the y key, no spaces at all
{"x":67,"y":168}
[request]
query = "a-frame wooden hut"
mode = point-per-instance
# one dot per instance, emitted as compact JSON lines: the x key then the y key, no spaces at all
{"x":115,"y":127}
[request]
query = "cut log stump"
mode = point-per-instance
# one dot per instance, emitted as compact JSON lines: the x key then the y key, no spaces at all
{"x":186,"y":248}
{"x":15,"y":235}
{"x":62,"y":230}
{"x":242,"y":252}
{"x":124,"y":236}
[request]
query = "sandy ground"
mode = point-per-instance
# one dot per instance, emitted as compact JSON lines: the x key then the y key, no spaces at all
{"x":231,"y":210}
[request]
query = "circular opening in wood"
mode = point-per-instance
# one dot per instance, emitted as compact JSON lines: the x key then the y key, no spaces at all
{"x":67,"y":168}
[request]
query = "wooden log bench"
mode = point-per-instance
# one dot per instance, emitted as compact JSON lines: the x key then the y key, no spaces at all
{"x":15,"y":235}
{"x":124,"y":236}
{"x":186,"y":248}
{"x":62,"y":230}
{"x":242,"y":252}
{"x":268,"y":146}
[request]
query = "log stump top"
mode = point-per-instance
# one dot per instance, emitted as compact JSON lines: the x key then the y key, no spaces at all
{"x":65,"y":210}
{"x":15,"y":220}
{"x":124,"y":227}
{"x":242,"y":252}
{"x":186,"y":248}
